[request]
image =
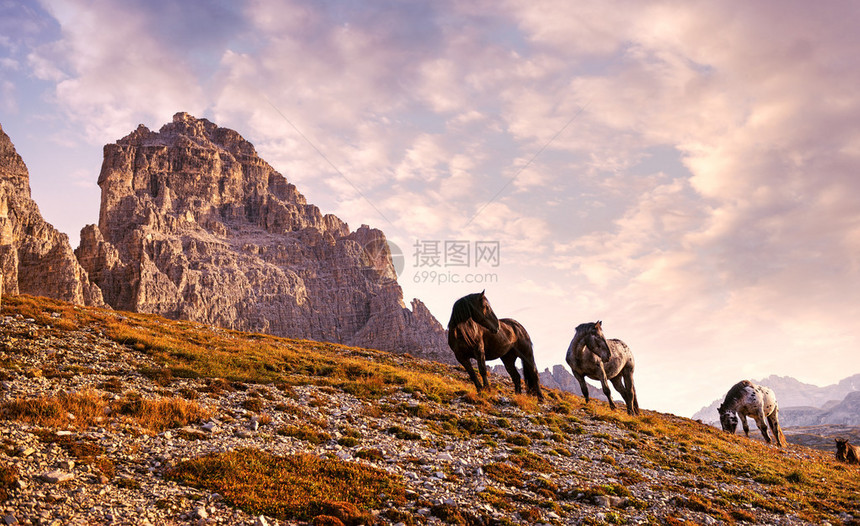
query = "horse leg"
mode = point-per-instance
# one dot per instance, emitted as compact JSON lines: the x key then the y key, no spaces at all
{"x":746,"y":425}
{"x":482,"y":366}
{"x":762,"y":425}
{"x":628,"y":382}
{"x":605,"y":385}
{"x":582,"y":386}
{"x":625,"y":393}
{"x":467,"y":365}
{"x":773,"y":421}
{"x":510,"y":361}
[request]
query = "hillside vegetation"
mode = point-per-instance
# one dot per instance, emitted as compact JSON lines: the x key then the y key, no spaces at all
{"x":144,"y":420}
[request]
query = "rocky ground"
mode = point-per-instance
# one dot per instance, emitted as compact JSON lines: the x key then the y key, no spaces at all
{"x":440,"y":471}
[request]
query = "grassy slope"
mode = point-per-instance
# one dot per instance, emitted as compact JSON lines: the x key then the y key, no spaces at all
{"x":806,"y":483}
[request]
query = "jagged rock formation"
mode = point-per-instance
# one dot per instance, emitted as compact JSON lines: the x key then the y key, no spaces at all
{"x":34,"y":257}
{"x":195,"y":225}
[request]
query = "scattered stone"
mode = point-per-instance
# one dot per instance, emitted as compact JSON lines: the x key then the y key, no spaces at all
{"x":210,"y":427}
{"x":56,"y":476}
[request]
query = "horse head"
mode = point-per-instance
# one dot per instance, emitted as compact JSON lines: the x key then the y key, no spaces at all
{"x":841,"y":447}
{"x":595,"y":341}
{"x":477,"y":308}
{"x":728,"y":419}
{"x":483,"y":313}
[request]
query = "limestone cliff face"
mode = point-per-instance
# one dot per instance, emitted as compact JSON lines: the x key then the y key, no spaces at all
{"x":34,"y":257}
{"x":195,"y":225}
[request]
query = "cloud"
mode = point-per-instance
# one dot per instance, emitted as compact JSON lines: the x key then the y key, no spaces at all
{"x":104,"y":82}
{"x":8,"y":102}
{"x":9,"y":64}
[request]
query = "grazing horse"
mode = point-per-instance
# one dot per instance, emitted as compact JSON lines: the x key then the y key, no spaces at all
{"x":591,"y":354}
{"x":475,"y":332}
{"x":846,"y":452}
{"x":757,"y":401}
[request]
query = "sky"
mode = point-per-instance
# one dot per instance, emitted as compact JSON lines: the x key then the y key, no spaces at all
{"x":686,"y":172}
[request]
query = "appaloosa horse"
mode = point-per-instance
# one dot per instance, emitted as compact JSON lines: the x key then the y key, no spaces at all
{"x":474,"y":332}
{"x":757,"y":401}
{"x":591,"y":354}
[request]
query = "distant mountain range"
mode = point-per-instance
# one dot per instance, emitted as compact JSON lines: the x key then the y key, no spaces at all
{"x":802,"y":404}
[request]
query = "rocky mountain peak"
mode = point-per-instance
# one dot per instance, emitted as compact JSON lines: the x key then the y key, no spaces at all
{"x":195,"y":225}
{"x":34,"y":257}
{"x":13,"y":171}
{"x":193,"y":174}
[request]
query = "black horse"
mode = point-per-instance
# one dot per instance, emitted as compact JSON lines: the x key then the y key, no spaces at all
{"x":475,"y":332}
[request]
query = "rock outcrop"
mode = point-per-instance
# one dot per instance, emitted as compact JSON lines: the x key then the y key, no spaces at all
{"x":195,"y":225}
{"x":35,"y":258}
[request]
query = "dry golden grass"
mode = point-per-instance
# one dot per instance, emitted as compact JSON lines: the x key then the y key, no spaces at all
{"x":87,"y":408}
{"x":191,"y":350}
{"x":8,"y":478}
{"x":525,"y":402}
{"x":288,"y":488}
{"x":161,"y":413}
{"x":83,"y":409}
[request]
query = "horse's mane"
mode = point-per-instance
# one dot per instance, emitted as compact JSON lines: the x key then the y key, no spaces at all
{"x":576,"y":344}
{"x":463,"y":309}
{"x":582,"y":327}
{"x":735,"y":393}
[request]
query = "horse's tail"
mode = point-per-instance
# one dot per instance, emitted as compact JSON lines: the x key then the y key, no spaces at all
{"x":773,"y":420}
{"x":527,"y":355}
{"x":531,"y":375}
{"x":779,"y":433}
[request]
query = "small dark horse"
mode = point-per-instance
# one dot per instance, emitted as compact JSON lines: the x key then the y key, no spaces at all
{"x":475,"y":332}
{"x":847,"y":452}
{"x":591,"y":354}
